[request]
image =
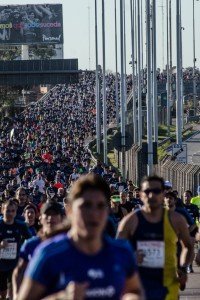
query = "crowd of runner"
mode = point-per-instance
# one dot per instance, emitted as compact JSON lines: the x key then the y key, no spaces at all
{"x":45,"y":171}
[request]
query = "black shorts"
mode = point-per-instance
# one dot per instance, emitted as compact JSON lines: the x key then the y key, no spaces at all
{"x":5,"y":278}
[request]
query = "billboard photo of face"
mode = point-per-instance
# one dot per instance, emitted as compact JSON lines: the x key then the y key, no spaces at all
{"x":31,"y":24}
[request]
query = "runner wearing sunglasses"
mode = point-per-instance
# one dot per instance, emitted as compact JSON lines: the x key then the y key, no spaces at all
{"x":153,"y":232}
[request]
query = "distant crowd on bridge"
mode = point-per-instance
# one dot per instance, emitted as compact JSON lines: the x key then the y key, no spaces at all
{"x":45,"y":165}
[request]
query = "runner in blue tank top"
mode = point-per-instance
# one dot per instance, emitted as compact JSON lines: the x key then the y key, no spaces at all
{"x":83,"y":264}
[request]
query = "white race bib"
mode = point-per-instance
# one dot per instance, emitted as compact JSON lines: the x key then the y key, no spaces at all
{"x":154,"y":253}
{"x":10,"y":252}
{"x":121,"y":188}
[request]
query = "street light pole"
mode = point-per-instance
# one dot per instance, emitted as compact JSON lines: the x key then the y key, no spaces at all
{"x":194,"y":64}
{"x":170,"y":53}
{"x":149,"y":99}
{"x":133,"y":70}
{"x":178,"y":98}
{"x":154,"y":68}
{"x":139,"y":76}
{"x":98,"y":109}
{"x":125,"y":79}
{"x":104,"y":88}
{"x":122,"y":93}
{"x":181,"y":69}
{"x":116,"y":70}
{"x":168,"y":77}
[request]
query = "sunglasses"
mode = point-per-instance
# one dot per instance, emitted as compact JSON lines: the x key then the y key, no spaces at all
{"x":156,"y":191}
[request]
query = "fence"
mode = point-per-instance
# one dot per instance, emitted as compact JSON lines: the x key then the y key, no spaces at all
{"x":182,"y":176}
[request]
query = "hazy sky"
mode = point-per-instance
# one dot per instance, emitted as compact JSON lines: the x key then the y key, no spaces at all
{"x":78,"y":16}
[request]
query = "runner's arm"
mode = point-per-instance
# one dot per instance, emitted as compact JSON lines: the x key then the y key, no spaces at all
{"x":133,"y":288}
{"x":17,"y":276}
{"x":127,"y":226}
{"x":181,"y":228}
{"x":31,"y":290}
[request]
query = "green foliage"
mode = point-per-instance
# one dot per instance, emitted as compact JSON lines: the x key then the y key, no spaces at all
{"x":44,"y":53}
{"x":163,"y":131}
{"x":161,"y":150}
{"x":9,"y":54}
{"x":110,"y":148}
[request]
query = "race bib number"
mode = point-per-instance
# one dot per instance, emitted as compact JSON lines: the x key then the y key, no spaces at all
{"x":154,"y":253}
{"x":10,"y":252}
{"x":121,"y":188}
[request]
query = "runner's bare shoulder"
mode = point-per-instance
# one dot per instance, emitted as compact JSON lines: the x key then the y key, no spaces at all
{"x":128,"y":225}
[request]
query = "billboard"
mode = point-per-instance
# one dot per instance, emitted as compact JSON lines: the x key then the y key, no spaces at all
{"x":31,"y":24}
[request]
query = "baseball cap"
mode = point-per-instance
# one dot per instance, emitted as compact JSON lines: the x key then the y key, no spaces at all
{"x":168,"y":184}
{"x":51,"y":205}
{"x":115,"y":198}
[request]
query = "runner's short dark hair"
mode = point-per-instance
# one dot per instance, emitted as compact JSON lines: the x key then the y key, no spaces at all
{"x":153,"y":178}
{"x":89,"y":182}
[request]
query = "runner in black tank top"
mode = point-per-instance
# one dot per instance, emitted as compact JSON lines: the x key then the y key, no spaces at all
{"x":153,"y":232}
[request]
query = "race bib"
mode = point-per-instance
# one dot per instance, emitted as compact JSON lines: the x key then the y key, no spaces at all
{"x":121,"y":188}
{"x":10,"y":252}
{"x":154,"y":253}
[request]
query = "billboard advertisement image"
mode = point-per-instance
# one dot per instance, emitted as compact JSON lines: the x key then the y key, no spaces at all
{"x":31,"y":24}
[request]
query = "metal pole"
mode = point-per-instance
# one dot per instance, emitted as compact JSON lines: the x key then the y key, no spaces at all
{"x":104,"y":89}
{"x":178,"y":98}
{"x":133,"y":72}
{"x":163,"y":37}
{"x":149,"y":100}
{"x":170,"y":52}
{"x":155,"y":97}
{"x":125,"y":79}
{"x":168,"y":77}
{"x":98,"y":134}
{"x":181,"y":70}
{"x":122,"y":93}
{"x":89,"y":33}
{"x":136,"y":74}
{"x":142,"y":56}
{"x":116,"y":68}
{"x":194,"y":64}
{"x":139,"y":77}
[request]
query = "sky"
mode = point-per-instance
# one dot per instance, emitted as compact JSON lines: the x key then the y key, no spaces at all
{"x":79,"y":31}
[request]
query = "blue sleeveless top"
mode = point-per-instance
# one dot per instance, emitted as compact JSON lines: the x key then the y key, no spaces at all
{"x":56,"y":262}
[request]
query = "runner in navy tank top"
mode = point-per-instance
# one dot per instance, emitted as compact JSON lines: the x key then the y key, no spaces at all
{"x":153,"y":231}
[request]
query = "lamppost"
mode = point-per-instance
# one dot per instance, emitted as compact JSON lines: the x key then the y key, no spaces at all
{"x":105,"y":148}
{"x":178,"y":78}
{"x":98,"y":107}
{"x":194,"y":64}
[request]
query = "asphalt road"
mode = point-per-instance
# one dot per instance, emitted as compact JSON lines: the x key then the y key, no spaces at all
{"x":193,"y":148}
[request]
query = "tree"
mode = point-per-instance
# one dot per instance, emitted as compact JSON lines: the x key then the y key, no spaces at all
{"x":44,"y":53}
{"x":10,"y":54}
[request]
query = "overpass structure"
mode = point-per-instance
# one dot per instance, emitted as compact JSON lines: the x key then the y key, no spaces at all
{"x":36,"y":72}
